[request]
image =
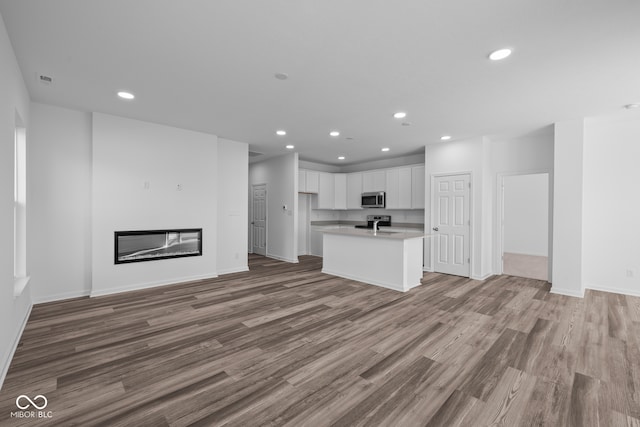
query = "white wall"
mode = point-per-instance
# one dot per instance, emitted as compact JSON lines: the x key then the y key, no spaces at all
{"x":611,"y":204}
{"x":567,"y":208}
{"x":460,"y":157}
{"x":233,"y":179}
{"x":281,"y":176}
{"x":60,"y":202}
{"x":126,"y":155}
{"x":14,"y":99}
{"x":526,"y":214}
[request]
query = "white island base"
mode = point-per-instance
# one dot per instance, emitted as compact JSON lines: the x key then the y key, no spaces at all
{"x":391,"y":260}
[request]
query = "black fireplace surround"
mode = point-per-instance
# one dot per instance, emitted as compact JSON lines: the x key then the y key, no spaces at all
{"x":153,"y":245}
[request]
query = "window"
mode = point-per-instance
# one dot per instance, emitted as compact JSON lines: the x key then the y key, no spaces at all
{"x":20,"y":209}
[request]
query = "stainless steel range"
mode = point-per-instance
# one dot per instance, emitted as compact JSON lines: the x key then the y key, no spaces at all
{"x":381,"y":220}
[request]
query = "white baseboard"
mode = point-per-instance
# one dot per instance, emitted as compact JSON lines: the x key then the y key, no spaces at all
{"x":61,"y":296}
{"x":8,"y":356}
{"x":233,"y":270}
{"x":567,"y":292}
{"x":632,"y":293}
{"x":484,"y":277}
{"x":279,"y":258}
{"x":140,"y":286}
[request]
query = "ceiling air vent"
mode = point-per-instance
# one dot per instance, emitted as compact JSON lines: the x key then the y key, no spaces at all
{"x":44,"y":79}
{"x":254,"y":154}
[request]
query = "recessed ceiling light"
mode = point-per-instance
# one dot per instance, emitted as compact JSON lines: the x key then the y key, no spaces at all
{"x":334,"y":133}
{"x":445,"y":137}
{"x":400,"y":115}
{"x":290,"y":147}
{"x":281,"y":76}
{"x":631,"y":106}
{"x":385,"y":149}
{"x":281,"y":132}
{"x":126,"y":95}
{"x":341,"y":158}
{"x":499,"y":54}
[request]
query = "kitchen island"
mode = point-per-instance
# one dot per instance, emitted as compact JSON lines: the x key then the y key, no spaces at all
{"x":384,"y":258}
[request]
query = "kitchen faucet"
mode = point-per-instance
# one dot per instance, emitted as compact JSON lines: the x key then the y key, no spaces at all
{"x":375,"y":225}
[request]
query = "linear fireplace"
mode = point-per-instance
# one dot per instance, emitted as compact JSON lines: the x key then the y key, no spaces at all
{"x":152,"y":245}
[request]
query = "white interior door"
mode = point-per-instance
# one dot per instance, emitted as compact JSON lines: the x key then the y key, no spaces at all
{"x":259,"y":220}
{"x":451,"y":225}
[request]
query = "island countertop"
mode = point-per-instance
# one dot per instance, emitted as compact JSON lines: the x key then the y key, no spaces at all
{"x":380,"y":234}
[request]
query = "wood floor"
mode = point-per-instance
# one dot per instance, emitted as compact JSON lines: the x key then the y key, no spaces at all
{"x":285,"y":344}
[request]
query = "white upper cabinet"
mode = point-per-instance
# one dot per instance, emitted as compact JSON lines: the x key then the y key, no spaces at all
{"x":302,"y":181}
{"x":326,"y":191}
{"x":399,"y":188}
{"x":312,"y":182}
{"x":417,"y":187}
{"x":307,"y":181}
{"x":374,"y":181}
{"x":354,"y":190}
{"x":404,"y":187}
{"x":340,"y":190}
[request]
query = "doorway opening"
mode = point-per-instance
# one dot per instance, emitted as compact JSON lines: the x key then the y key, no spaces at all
{"x":524,"y":226}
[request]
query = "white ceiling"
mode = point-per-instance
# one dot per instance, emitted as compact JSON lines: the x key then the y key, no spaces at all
{"x":209,"y":66}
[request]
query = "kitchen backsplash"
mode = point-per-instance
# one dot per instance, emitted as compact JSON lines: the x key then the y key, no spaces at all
{"x":414,"y":216}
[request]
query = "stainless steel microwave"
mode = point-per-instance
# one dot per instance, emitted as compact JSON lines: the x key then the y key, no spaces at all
{"x":373,"y":200}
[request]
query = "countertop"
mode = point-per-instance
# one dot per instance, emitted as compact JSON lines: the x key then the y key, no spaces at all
{"x":381,"y":234}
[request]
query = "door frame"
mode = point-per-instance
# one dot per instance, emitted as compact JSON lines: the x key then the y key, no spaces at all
{"x":432,"y":187}
{"x":499,"y":219}
{"x":266,"y":222}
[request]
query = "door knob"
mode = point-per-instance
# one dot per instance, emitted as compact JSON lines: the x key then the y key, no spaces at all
{"x":435,"y":228}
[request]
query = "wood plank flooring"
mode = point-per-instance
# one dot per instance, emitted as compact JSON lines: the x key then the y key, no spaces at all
{"x":287,"y":345}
